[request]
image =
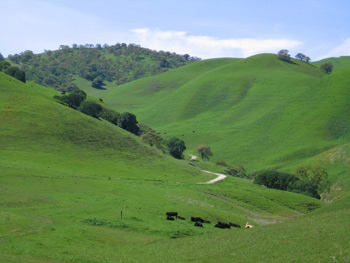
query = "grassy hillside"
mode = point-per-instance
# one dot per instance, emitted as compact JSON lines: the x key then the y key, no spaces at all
{"x":260,"y":112}
{"x":66,"y":177}
{"x":339,"y":63}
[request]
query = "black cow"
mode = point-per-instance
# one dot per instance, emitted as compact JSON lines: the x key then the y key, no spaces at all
{"x":234,"y":225}
{"x":206,"y":221}
{"x":100,"y":100}
{"x":181,"y":218}
{"x":170,"y":218}
{"x":197,"y":219}
{"x":222,"y":225}
{"x":198,"y":224}
{"x":172,"y":214}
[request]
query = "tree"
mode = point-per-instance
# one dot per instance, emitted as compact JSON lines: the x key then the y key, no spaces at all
{"x":327,"y":67}
{"x":176,"y":147}
{"x":316,"y":174}
{"x":204,"y":151}
{"x":97,"y":83}
{"x":109,"y":115}
{"x":70,"y":87}
{"x":283,"y":54}
{"x":152,"y":138}
{"x":16,"y":73}
{"x":300,"y":56}
{"x":73,"y":99}
{"x":90,"y":108}
{"x":127,"y":121}
{"x":1,"y":57}
{"x":4,"y":65}
{"x":307,"y":59}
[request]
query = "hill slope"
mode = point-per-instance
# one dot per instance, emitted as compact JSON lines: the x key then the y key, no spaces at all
{"x":74,"y":188}
{"x":259,"y":112}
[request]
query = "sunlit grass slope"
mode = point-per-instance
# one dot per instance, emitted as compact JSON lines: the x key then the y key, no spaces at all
{"x":60,"y":170}
{"x":339,"y":63}
{"x":260,"y":112}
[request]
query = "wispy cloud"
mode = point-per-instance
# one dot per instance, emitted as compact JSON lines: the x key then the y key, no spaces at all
{"x":207,"y":46}
{"x":342,"y":49}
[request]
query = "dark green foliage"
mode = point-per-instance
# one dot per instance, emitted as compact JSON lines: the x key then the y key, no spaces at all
{"x":316,"y":174}
{"x":287,"y":182}
{"x":4,"y":65}
{"x":327,"y":67}
{"x":176,"y":147}
{"x":120,"y":63}
{"x":70,"y":87}
{"x":284,"y":55}
{"x":153,"y":138}
{"x":275,"y":179}
{"x":97,"y":83}
{"x":236,"y":171}
{"x":300,"y":56}
{"x":304,"y":187}
{"x":16,"y":73}
{"x":204,"y":151}
{"x":1,"y":57}
{"x":73,"y":99}
{"x":90,"y":108}
{"x":127,"y":121}
{"x":109,"y":115}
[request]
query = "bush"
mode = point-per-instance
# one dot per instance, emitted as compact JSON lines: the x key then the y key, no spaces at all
{"x":236,"y":171}
{"x":16,"y":73}
{"x":90,"y":108}
{"x":73,"y":99}
{"x":127,"y":121}
{"x":176,"y":147}
{"x":109,"y":115}
{"x":287,"y":182}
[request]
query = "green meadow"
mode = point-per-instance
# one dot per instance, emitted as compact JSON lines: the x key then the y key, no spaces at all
{"x":78,"y":189}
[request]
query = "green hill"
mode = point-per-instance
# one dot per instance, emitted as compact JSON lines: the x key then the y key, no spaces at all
{"x":66,"y":178}
{"x":117,"y":64}
{"x":260,"y":112}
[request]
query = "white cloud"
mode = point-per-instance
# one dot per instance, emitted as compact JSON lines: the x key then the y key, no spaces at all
{"x":341,"y":50}
{"x":206,"y":46}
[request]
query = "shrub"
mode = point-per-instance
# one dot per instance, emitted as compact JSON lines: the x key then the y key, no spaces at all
{"x":127,"y":121}
{"x":176,"y":147}
{"x":90,"y":108}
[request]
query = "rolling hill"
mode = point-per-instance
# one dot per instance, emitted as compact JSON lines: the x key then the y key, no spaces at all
{"x":78,"y":189}
{"x":260,"y":112}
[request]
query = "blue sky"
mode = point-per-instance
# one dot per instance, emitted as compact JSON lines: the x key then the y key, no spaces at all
{"x":206,"y":29}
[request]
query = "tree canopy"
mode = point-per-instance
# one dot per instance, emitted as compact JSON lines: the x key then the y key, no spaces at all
{"x":204,"y":150}
{"x":327,"y":67}
{"x":119,"y":63}
{"x":176,"y":147}
{"x":127,"y":121}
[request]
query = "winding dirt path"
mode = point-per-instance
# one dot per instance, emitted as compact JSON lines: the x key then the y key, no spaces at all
{"x":217,"y":179}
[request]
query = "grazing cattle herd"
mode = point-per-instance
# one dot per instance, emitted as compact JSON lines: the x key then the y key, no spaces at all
{"x":200,"y":221}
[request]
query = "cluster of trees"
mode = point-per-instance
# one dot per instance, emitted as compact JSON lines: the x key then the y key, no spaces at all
{"x":77,"y":100}
{"x":234,"y":170}
{"x":310,"y":181}
{"x":118,"y":63}
{"x":284,"y":55}
{"x":15,"y":72}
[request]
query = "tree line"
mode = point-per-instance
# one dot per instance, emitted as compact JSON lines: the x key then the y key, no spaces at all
{"x":283,"y":54}
{"x":12,"y":71}
{"x":119,"y":63}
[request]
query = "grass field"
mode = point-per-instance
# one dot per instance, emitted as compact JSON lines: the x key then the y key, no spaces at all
{"x":65,"y":178}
